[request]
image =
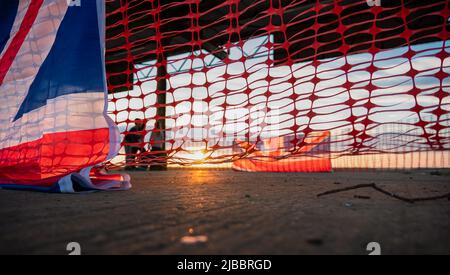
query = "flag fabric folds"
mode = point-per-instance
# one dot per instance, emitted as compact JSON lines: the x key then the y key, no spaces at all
{"x":54,"y":126}
{"x":279,"y":155}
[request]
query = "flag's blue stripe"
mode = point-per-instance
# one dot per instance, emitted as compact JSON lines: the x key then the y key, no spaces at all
{"x":74,"y":64}
{"x":79,"y":185}
{"x":52,"y":189}
{"x":8,"y":13}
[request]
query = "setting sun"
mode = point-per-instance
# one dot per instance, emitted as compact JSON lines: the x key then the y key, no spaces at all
{"x":197,"y":155}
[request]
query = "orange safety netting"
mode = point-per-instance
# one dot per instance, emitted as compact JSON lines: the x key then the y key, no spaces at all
{"x":211,"y":80}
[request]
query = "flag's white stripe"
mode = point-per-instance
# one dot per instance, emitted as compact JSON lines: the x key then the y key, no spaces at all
{"x":66,"y":185}
{"x":21,"y":11}
{"x":72,"y":112}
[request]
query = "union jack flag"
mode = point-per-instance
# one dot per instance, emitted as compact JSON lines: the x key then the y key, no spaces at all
{"x":54,"y":126}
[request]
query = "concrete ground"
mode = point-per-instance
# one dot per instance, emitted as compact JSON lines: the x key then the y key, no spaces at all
{"x":234,"y":213}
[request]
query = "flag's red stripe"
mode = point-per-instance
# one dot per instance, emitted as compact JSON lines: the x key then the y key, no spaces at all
{"x":284,"y":166}
{"x":25,"y":27}
{"x":43,"y":162}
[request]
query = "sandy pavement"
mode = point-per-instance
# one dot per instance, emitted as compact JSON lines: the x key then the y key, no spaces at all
{"x":238,"y":213}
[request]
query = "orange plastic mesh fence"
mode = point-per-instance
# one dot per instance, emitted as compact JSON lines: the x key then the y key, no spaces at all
{"x":213,"y":81}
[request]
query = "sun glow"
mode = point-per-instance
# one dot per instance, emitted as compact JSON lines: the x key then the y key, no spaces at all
{"x":200,"y":158}
{"x":197,"y":155}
